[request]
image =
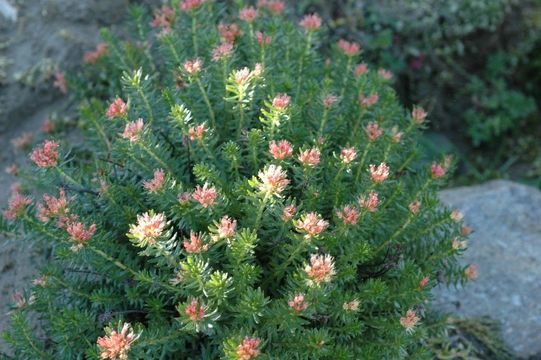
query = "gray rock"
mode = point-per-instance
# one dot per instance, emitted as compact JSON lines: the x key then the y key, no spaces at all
{"x":506,"y":247}
{"x":8,"y":11}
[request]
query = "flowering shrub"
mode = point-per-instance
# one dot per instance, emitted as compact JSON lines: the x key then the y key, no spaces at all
{"x":241,"y":197}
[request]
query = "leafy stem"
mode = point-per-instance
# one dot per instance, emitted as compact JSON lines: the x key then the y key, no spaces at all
{"x":207,"y":101}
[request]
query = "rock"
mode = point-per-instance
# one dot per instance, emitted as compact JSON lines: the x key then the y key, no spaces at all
{"x":8,"y":11}
{"x":506,"y":247}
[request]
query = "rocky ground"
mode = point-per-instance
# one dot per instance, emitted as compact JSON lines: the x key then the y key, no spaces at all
{"x":506,"y":246}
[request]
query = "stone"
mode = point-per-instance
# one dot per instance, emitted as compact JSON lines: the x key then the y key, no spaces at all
{"x":8,"y":11}
{"x":506,"y":247}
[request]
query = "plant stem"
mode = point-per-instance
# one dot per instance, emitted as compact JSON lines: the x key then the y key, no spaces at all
{"x":194,"y":37}
{"x":241,"y":112}
{"x":147,"y":104}
{"x":361,"y":163}
{"x":323,"y":121}
{"x":260,"y":212}
{"x":358,"y":123}
{"x":301,"y":64}
{"x":280,"y":271}
{"x":207,"y":150}
{"x":347,"y":75}
{"x":62,"y":173}
{"x":156,"y":157}
{"x":335,"y":180}
{"x":42,"y":355}
{"x":252,"y":38}
{"x":67,"y":286}
{"x":128,"y":269}
{"x":408,"y":221}
{"x":173,"y":50}
{"x":207,"y":101}
{"x":102,"y":134}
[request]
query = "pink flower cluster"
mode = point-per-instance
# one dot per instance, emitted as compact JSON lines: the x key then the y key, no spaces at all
{"x":17,"y":205}
{"x":272,"y":180}
{"x":242,"y":76}
{"x":373,"y":131}
{"x":248,"y":348}
{"x":367,"y":101}
{"x":206,"y":195}
{"x":118,"y":108}
{"x":385,"y":74}
{"x":418,"y":114}
{"x":415,"y":207}
{"x":92,"y":57}
{"x":396,"y":135}
{"x":471,"y":272}
{"x":248,"y":14}
{"x":197,"y":132}
{"x":349,"y":215}
{"x":190,"y":5}
{"x":155,"y":184}
{"x":379,"y":173}
{"x":229,"y":32}
{"x":60,"y":82}
{"x":456,"y":215}
{"x":149,"y":227}
{"x":79,"y":234}
{"x":281,"y":102}
{"x":310,"y":22}
{"x":370,"y":203}
{"x":222,"y":51}
{"x":276,"y":7}
{"x":329,"y":100}
{"x":311,"y":224}
{"x":46,"y":155}
{"x":360,"y":70}
{"x":298,"y":304}
{"x":47,"y":127}
{"x":310,"y":158}
{"x":281,"y":149}
{"x":133,"y":130}
{"x":348,"y":155}
{"x":288,"y":212}
{"x":22,"y":141}
{"x":423,"y":283}
{"x":12,"y":169}
{"x":320,"y":269}
{"x":195,"y":244}
{"x":53,"y":207}
{"x":163,"y":19}
{"x":226,"y":228}
{"x":349,"y":48}
{"x":116,"y":345}
{"x":409,"y":321}
{"x":352,"y":305}
{"x":437,"y":171}
{"x":262,"y":40}
{"x":193,"y":67}
{"x":195,"y":311}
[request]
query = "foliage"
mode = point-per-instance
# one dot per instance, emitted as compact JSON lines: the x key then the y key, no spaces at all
{"x":267,"y":204}
{"x":470,"y":339}
{"x":466,"y":61}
